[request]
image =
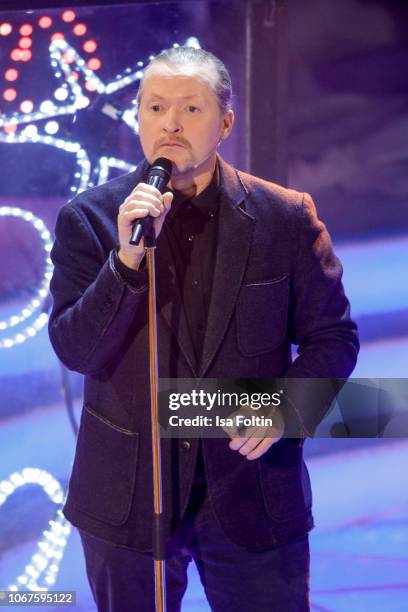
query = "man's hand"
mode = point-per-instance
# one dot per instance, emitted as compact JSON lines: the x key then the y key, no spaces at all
{"x":144,"y":200}
{"x":253,"y":442}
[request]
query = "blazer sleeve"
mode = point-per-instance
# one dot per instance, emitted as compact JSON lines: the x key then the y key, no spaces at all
{"x":93,"y":303}
{"x":320,"y":324}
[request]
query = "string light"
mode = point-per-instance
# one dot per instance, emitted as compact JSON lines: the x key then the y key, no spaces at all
{"x":80,"y":29}
{"x":11,"y":74}
{"x":68,"y":16}
{"x":45,"y":22}
{"x":26,"y":55}
{"x":105,"y":163}
{"x":10,"y":94}
{"x":25,"y":43}
{"x":42,"y":570}
{"x":51,"y":127}
{"x":16,"y":55}
{"x":26,"y":29}
{"x":27,"y":106}
{"x":5,"y":29}
{"x":89,"y":46}
{"x":37,"y":301}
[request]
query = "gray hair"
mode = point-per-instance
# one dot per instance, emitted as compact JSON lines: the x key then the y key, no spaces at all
{"x":182,"y":56}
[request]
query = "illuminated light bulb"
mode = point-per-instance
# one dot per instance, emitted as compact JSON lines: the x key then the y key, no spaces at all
{"x":26,"y":29}
{"x":91,"y":85}
{"x":5,"y":29}
{"x":89,"y":46}
{"x":68,"y":16}
{"x":10,"y":128}
{"x":10,"y":94}
{"x":57,"y":36}
{"x":26,"y":106}
{"x":79,"y":29}
{"x":16,"y":55}
{"x":83,"y":102}
{"x":11,"y":74}
{"x":69,"y":56}
{"x":45,"y":22}
{"x":94,"y":63}
{"x":47,"y":107}
{"x":16,"y":478}
{"x":61,"y":94}
{"x":25,"y":43}
{"x":51,"y":127}
{"x":30,"y":131}
{"x":26,"y":55}
{"x":192,"y":41}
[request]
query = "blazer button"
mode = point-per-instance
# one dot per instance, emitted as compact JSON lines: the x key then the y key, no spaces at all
{"x":185,"y":445}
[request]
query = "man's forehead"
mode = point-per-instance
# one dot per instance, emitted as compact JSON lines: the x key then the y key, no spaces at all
{"x":190,"y":78}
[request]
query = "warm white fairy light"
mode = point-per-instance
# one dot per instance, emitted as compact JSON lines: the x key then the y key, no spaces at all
{"x":192,"y":41}
{"x":61,"y":94}
{"x":105,"y":163}
{"x":51,"y":127}
{"x":36,"y":302}
{"x":30,"y":131}
{"x":42,"y":570}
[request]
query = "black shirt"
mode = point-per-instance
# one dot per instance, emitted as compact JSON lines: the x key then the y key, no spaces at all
{"x":191,"y":227}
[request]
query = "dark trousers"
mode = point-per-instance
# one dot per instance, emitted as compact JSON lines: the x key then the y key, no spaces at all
{"x":234,"y":579}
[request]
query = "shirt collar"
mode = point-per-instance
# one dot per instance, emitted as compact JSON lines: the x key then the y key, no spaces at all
{"x":205,"y":202}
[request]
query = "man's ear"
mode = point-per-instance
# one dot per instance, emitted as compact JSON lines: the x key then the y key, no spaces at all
{"x":228,"y":122}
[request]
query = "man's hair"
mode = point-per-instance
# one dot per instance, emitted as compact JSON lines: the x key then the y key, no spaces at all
{"x":183,"y":56}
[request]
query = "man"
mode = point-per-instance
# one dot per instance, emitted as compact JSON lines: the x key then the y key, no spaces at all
{"x":244,"y":269}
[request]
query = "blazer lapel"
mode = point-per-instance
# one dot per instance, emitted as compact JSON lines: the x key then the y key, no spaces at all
{"x":234,"y":238}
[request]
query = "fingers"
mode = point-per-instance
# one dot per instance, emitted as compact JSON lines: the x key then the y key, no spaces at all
{"x":167,"y":200}
{"x":144,"y":200}
{"x":262,"y":447}
{"x":253,"y":447}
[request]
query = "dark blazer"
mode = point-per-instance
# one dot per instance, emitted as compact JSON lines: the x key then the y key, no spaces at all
{"x":276,"y":282}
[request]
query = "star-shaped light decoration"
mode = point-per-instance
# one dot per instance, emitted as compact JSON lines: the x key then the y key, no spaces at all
{"x":78,"y":82}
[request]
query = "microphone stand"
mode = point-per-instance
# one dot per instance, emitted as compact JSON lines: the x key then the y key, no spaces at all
{"x":157,"y":523}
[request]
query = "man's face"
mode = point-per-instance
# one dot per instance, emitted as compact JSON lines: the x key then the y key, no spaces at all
{"x":179,"y":118}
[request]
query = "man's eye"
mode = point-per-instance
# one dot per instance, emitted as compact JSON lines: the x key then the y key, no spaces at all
{"x":192,"y":109}
{"x":155,"y":108}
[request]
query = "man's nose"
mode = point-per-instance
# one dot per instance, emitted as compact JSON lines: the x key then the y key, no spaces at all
{"x":171,"y":122}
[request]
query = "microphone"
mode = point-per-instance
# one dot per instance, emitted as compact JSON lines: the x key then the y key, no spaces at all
{"x":159,"y":176}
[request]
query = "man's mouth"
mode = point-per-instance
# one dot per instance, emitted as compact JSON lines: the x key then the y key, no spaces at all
{"x":172,"y":144}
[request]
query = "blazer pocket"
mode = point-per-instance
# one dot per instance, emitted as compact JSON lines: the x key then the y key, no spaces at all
{"x":262,"y":315}
{"x":286,"y":492}
{"x":104,"y":471}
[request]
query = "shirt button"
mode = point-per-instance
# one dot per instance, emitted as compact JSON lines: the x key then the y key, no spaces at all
{"x":190,"y":238}
{"x":211,"y":214}
{"x":185,"y":445}
{"x":195,"y":283}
